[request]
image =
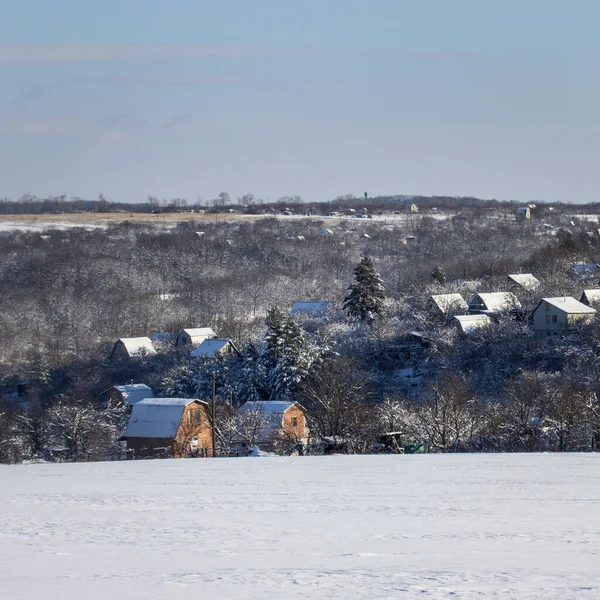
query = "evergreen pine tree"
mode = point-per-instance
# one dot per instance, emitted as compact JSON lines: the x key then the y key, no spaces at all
{"x":288,"y":355}
{"x":438,"y":275}
{"x":366,"y":295}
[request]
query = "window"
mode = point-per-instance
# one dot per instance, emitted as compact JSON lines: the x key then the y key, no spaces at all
{"x":194,"y":416}
{"x":547,"y":306}
{"x":547,"y":319}
{"x":294,"y":421}
{"x":554,"y":319}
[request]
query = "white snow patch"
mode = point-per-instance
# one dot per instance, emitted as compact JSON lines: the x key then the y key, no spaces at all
{"x":431,"y":526}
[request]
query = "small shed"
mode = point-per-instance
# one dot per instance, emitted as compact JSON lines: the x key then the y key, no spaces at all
{"x":132,"y":348}
{"x":214,"y":347}
{"x":445,"y":305}
{"x":523,"y":213}
{"x":583,"y":269}
{"x":493,"y":302}
{"x":169,"y":427}
{"x":309,"y":308}
{"x":467,"y":324}
{"x":192,"y":338}
{"x":590,"y":297}
{"x":161,"y":337}
{"x":525,"y":281}
{"x":127,"y":395}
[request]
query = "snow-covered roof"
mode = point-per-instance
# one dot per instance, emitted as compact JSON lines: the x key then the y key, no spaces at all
{"x":568,"y":305}
{"x":494,"y":301}
{"x":133,"y":392}
{"x":581,"y":268}
{"x":160,"y":336}
{"x":199,"y":334}
{"x":137,"y":346}
{"x":156,"y":417}
{"x":210,"y":347}
{"x":309,"y":307}
{"x":448,"y":302}
{"x":525,"y":280}
{"x":590,"y":296}
{"x":267,"y":406}
{"x":469,"y":323}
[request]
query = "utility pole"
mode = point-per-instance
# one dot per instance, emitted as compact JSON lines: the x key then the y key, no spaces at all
{"x":213,"y":414}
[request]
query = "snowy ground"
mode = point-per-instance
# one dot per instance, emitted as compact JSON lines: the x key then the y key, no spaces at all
{"x":466,"y":526}
{"x":41,"y":223}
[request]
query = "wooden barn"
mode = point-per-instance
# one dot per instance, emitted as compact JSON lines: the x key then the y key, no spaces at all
{"x":132,"y":348}
{"x":272,"y":423}
{"x":169,"y":428}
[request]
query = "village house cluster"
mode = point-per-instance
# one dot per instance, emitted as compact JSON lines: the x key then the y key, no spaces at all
{"x":178,"y":427}
{"x":185,"y":427}
{"x":551,"y":315}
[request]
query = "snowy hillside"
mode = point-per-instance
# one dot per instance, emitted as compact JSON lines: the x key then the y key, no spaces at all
{"x":478,"y":526}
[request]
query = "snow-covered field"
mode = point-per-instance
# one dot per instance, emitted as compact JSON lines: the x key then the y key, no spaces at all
{"x":41,"y":223}
{"x":381,"y":527}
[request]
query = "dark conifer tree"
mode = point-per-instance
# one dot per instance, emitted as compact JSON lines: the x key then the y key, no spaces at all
{"x":366,"y":296}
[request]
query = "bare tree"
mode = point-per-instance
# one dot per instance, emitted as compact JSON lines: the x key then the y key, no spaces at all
{"x":335,"y":398}
{"x":252,"y":425}
{"x":449,"y":418}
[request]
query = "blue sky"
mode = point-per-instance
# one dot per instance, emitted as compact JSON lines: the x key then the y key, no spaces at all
{"x":187,"y":98}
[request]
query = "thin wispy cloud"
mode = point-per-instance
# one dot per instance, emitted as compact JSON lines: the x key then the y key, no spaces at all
{"x":119,"y":126}
{"x":179,"y":121}
{"x":43,"y":125}
{"x":60,"y":53}
{"x":123,"y":122}
{"x":48,"y":53}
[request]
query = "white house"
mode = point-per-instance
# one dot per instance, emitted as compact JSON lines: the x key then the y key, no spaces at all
{"x":309,"y":308}
{"x":467,"y":324}
{"x":214,"y":347}
{"x":493,"y":302}
{"x":557,"y":315}
{"x":194,"y":337}
{"x":132,"y":348}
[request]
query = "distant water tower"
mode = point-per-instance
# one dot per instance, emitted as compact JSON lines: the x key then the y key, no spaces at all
{"x":366,"y":198}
